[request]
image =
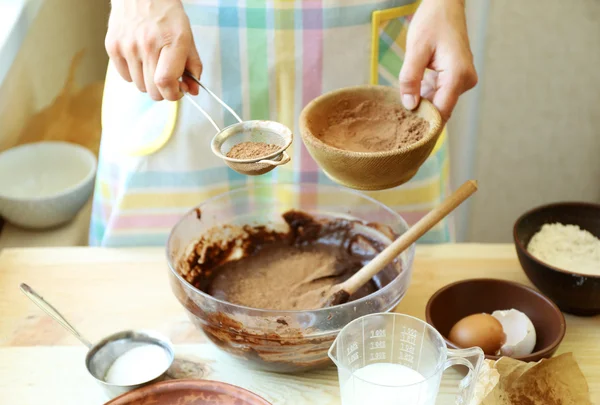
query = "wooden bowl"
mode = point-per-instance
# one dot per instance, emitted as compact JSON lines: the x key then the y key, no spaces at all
{"x":574,"y":293}
{"x":457,"y":300}
{"x":366,"y":170}
{"x":189,"y":392}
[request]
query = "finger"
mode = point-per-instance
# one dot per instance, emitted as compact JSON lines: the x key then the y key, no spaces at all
{"x":137,"y":73}
{"x":169,"y":69}
{"x":184,"y":87}
{"x":121,"y":65}
{"x":190,"y":86}
{"x":113,"y":49}
{"x":416,"y":60}
{"x":149,"y":69}
{"x":194,"y":66}
{"x":446,"y":97}
{"x":427,"y":91}
{"x":429,"y":84}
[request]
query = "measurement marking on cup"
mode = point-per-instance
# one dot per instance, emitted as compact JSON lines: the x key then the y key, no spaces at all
{"x":377,"y":356}
{"x":407,"y":347}
{"x":352,"y":352}
{"x":376,"y":334}
{"x":352,"y":348}
{"x":406,"y":357}
{"x":377,"y":345}
{"x":409,"y":336}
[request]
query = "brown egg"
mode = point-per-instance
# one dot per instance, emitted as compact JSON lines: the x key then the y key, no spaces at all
{"x":480,"y":330}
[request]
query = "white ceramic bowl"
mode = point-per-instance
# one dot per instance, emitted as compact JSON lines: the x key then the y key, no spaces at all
{"x":45,"y":184}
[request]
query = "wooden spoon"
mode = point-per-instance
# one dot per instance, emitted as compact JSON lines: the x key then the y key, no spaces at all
{"x":340,"y":293}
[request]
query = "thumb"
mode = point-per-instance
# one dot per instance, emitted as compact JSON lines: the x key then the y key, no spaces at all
{"x":193,"y":65}
{"x":415,"y":62}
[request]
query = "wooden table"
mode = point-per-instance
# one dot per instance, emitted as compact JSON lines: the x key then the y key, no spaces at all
{"x":102,"y":291}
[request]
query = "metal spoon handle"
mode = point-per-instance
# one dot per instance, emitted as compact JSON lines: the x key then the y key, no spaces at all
{"x":53,"y":312}
{"x":213,"y":95}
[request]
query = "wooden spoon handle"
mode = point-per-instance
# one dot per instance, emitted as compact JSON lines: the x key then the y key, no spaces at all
{"x":388,"y":254}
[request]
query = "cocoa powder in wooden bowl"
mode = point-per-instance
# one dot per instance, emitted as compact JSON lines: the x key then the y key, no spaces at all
{"x":363,"y":138}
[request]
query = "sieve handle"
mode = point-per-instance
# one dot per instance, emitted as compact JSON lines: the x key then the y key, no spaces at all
{"x":284,"y":159}
{"x":471,"y":358}
{"x":208,"y":117}
{"x":213,"y":95}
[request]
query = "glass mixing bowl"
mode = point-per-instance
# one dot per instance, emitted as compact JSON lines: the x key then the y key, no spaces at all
{"x":281,"y":341}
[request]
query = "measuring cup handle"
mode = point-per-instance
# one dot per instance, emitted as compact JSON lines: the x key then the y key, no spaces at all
{"x":471,"y":358}
{"x":284,"y":159}
{"x":53,"y":312}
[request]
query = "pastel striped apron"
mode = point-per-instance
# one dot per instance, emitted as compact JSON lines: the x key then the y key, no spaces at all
{"x":267,"y":60}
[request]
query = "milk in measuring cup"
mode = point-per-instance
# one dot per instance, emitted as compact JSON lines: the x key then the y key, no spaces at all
{"x":395,"y":359}
{"x":387,"y":383}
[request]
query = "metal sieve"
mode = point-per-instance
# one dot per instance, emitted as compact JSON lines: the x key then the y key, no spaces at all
{"x":269,"y":132}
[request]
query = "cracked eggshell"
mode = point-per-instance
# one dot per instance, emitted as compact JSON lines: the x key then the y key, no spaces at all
{"x":520,"y":333}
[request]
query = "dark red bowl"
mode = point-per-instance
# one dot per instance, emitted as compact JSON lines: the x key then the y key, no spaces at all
{"x":189,"y":392}
{"x":457,"y":300}
{"x":574,"y":293}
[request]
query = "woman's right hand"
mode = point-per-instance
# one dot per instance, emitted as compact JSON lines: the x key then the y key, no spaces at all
{"x":150,"y":42}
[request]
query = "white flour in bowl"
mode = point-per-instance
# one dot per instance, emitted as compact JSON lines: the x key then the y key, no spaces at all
{"x":568,"y":248}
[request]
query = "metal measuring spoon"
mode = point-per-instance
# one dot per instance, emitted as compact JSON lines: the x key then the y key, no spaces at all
{"x":102,"y":355}
{"x":269,"y":132}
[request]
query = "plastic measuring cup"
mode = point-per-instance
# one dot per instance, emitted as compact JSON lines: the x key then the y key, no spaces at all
{"x":396,"y":359}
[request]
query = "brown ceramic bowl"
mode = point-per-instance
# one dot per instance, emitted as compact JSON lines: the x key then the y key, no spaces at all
{"x":366,"y":170}
{"x":189,"y":392}
{"x":457,"y":300}
{"x":574,"y":293}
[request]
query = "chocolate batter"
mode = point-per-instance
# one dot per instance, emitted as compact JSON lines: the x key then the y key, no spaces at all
{"x":373,"y":127}
{"x":262,"y":268}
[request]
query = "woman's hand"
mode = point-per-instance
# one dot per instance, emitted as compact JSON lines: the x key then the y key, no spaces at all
{"x":150,"y":42}
{"x":437,"y":40}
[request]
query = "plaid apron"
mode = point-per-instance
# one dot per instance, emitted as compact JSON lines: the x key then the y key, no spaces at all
{"x":267,"y":60}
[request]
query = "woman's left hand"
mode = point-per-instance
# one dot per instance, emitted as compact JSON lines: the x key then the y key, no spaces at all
{"x":437,"y":40}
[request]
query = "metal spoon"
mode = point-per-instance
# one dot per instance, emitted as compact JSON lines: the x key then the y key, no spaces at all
{"x":103,"y":354}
